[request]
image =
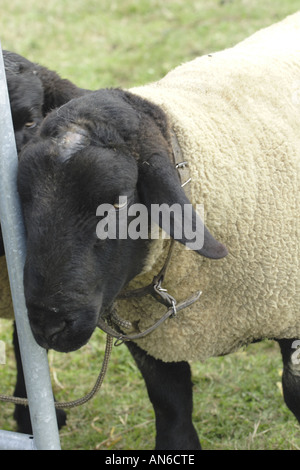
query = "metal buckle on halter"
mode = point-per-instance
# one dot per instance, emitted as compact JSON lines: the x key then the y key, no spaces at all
{"x":182,"y":166}
{"x":164,"y":297}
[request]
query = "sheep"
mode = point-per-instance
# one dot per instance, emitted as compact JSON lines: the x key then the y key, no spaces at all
{"x":33,"y":92}
{"x":236,"y":120}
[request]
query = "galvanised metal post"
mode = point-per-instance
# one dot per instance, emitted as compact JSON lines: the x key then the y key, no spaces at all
{"x":34,"y":358}
{"x":16,"y":441}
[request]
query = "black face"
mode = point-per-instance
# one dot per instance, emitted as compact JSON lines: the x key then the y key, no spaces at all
{"x":88,"y":153}
{"x":26,"y":100}
{"x":70,"y":275}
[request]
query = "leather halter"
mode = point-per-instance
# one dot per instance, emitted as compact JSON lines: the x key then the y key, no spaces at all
{"x":155,"y":288}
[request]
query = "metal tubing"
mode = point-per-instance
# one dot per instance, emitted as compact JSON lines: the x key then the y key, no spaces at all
{"x":16,"y":441}
{"x":34,"y":358}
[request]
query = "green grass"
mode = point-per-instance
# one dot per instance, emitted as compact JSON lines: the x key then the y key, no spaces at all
{"x":123,"y":43}
{"x":238,"y":401}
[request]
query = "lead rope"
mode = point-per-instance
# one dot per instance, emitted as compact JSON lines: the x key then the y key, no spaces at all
{"x":79,"y":401}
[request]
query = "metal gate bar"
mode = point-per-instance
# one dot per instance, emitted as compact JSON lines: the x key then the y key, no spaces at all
{"x":16,"y":441}
{"x":34,"y":358}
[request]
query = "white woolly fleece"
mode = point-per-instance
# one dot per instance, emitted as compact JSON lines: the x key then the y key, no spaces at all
{"x":236,"y":114}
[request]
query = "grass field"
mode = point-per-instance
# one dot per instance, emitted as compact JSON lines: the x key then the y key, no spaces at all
{"x":238,"y":401}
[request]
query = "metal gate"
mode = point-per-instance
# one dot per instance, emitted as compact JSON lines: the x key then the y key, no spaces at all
{"x":34,"y":358}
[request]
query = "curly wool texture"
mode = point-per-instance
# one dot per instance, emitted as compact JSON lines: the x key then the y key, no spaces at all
{"x":236,"y":114}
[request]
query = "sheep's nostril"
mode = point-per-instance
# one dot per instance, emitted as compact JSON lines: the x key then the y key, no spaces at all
{"x":45,"y":324}
{"x":47,"y":336}
{"x":46,"y":330}
{"x":51,"y":331}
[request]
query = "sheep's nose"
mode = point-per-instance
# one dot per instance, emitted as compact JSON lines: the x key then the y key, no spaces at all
{"x":45,"y":326}
{"x":59,"y":328}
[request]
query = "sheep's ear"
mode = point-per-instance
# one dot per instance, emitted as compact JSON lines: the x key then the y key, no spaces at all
{"x":159,"y":185}
{"x":57,"y":91}
{"x":72,"y":141}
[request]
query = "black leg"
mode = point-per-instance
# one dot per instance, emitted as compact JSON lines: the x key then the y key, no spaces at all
{"x":170,"y":391}
{"x":291,"y":374}
{"x":21,"y":413}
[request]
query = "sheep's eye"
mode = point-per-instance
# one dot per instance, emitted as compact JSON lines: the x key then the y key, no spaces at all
{"x":121,"y":203}
{"x":30,"y":124}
